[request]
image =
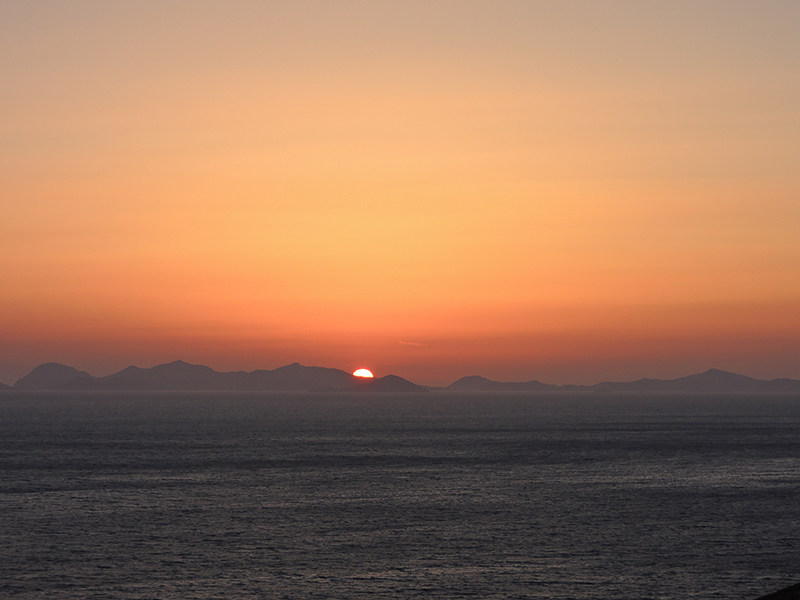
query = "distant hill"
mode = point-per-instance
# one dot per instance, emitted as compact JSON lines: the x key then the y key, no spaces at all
{"x":176,"y":375}
{"x":712,"y":380}
{"x":54,"y":376}
{"x":389,"y":383}
{"x":296,"y":377}
{"x":476,"y":383}
{"x":3,"y":386}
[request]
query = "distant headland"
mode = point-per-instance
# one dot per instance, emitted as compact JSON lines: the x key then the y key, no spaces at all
{"x":182,"y":376}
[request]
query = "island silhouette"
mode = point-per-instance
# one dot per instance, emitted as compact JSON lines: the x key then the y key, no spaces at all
{"x":183,"y":376}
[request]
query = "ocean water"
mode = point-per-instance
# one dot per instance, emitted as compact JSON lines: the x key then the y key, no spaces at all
{"x":248,"y":495}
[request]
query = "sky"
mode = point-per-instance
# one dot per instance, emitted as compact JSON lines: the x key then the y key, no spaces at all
{"x":564,"y":191}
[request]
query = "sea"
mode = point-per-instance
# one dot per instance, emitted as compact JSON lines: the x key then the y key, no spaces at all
{"x":187,"y":495}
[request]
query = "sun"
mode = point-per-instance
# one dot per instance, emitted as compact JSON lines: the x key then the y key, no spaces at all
{"x":363,"y":373}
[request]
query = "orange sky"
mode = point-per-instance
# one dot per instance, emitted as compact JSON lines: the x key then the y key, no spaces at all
{"x":563,"y":191}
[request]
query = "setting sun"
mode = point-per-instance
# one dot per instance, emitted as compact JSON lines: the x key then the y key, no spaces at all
{"x":363,"y":373}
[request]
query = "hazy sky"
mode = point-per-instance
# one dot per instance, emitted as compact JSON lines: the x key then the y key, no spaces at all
{"x":563,"y":191}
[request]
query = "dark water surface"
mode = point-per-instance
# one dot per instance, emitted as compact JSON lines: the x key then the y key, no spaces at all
{"x":246,"y":495}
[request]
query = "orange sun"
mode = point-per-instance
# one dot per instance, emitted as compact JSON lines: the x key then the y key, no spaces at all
{"x":363,"y":373}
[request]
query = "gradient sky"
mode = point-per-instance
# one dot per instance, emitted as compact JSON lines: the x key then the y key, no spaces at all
{"x":563,"y":191}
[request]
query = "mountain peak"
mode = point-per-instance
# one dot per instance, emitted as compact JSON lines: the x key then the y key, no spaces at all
{"x":718,"y":373}
{"x":477,"y":383}
{"x":51,"y":376}
{"x":180,"y":364}
{"x":388,"y":383}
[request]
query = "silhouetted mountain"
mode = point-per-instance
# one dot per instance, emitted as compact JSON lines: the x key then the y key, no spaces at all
{"x":176,"y":375}
{"x":712,"y":380}
{"x":3,"y":386}
{"x":389,"y":383}
{"x":53,"y":376}
{"x":476,"y":383}
{"x":294,"y":377}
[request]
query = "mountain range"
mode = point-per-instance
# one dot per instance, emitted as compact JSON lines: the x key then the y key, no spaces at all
{"x":713,"y":380}
{"x":180,"y":375}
